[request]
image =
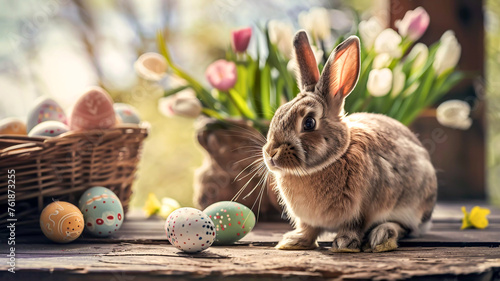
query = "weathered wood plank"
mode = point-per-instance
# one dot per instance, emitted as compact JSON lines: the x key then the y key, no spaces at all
{"x":133,"y":260}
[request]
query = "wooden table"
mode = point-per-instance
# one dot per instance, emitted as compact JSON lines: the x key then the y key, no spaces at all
{"x":140,"y":251}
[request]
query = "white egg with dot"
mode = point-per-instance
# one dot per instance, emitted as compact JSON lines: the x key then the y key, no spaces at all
{"x":190,"y":230}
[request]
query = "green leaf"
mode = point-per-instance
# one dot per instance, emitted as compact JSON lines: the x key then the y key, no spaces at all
{"x":265,"y":92}
{"x":240,"y":104}
{"x":175,"y":90}
{"x":202,"y":93}
{"x":278,"y":93}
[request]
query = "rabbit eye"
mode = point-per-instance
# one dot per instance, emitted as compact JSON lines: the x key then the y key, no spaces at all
{"x":309,"y":124}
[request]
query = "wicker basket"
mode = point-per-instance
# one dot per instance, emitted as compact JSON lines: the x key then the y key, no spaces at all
{"x":63,"y":167}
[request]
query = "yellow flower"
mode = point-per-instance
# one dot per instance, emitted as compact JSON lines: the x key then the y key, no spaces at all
{"x":476,"y":218}
{"x":163,"y":209}
{"x":152,"y":205}
{"x":168,"y":205}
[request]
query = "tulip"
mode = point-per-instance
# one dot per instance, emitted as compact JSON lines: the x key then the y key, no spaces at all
{"x":388,"y":41}
{"x":151,"y":66}
{"x":414,"y":24}
{"x":281,"y":35}
{"x":382,"y":60}
{"x":447,"y":54}
{"x":410,"y":90}
{"x":454,"y":114}
{"x":369,"y":30}
{"x":183,"y":104}
{"x":222,"y":74}
{"x":240,"y":39}
{"x":316,"y":22}
{"x":419,"y":54}
{"x":399,"y":79}
{"x":379,"y":82}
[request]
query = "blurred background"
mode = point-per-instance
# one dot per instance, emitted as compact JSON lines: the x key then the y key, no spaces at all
{"x":59,"y":47}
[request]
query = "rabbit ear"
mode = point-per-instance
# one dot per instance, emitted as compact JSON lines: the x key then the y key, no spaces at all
{"x":308,"y":73}
{"x":341,"y":72}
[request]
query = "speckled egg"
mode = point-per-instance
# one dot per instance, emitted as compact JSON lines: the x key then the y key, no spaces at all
{"x":93,"y":110}
{"x":190,"y":230}
{"x":46,"y":109}
{"x":61,"y":222}
{"x":232,"y":221}
{"x":12,"y":126}
{"x":48,"y":129}
{"x":127,"y":113}
{"x":102,"y":210}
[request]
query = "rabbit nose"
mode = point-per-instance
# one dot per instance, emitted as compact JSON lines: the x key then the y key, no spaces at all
{"x":271,"y":157}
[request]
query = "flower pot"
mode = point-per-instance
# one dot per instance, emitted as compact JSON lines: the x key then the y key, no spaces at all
{"x":230,"y":149}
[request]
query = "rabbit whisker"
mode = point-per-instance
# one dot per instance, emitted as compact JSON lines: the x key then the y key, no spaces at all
{"x":237,"y":195}
{"x":237,"y":178}
{"x":258,"y":183}
{"x":246,"y":158}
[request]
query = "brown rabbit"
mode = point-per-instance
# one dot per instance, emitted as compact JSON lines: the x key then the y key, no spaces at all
{"x":365,"y":176}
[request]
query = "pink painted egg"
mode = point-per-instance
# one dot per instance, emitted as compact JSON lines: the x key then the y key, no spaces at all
{"x":46,"y":109}
{"x":48,"y":129}
{"x":93,"y":110}
{"x":190,"y":230}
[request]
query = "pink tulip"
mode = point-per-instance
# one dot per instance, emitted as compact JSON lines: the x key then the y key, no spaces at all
{"x":414,"y":23}
{"x":222,"y":74}
{"x":240,"y":39}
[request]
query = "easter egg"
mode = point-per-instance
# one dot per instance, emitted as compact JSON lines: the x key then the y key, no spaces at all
{"x":232,"y":221}
{"x":46,"y":109}
{"x":127,"y":113}
{"x":190,"y":230}
{"x":49,"y":129}
{"x":93,"y":110}
{"x":12,"y":126}
{"x":61,"y":222}
{"x":102,"y":211}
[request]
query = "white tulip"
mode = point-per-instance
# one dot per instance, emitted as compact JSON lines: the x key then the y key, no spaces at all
{"x":448,"y":53}
{"x":281,"y":35}
{"x":183,"y":104}
{"x":379,"y":82}
{"x":388,"y":41}
{"x":369,"y":30}
{"x":419,"y":54}
{"x":151,"y":66}
{"x":454,"y":114}
{"x":316,"y":22}
{"x":382,"y":60}
{"x":399,"y":79}
{"x":410,"y":90}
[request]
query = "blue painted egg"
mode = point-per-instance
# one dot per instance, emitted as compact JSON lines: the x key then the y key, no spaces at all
{"x":48,"y":129}
{"x":46,"y":109}
{"x":190,"y":230}
{"x":102,"y":211}
{"x":127,"y":113}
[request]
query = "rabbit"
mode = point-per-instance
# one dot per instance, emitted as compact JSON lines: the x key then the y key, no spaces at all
{"x":365,"y":176}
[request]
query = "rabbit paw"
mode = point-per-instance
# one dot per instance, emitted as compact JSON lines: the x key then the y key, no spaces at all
{"x":346,"y":243}
{"x":384,"y":238}
{"x":296,"y":241}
